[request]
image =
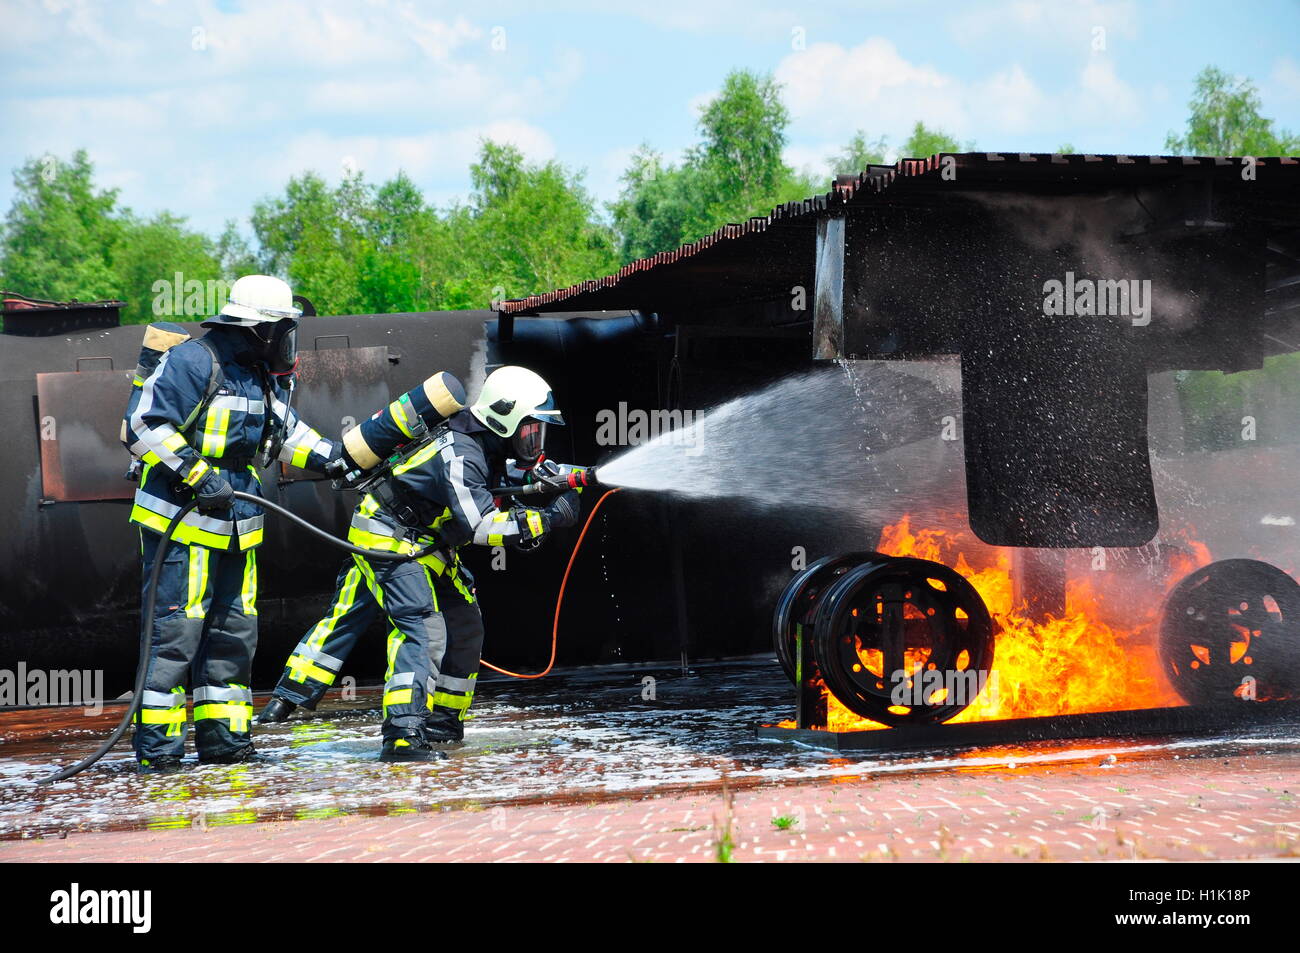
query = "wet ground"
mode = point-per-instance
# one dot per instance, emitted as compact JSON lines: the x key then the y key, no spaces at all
{"x":591,"y":736}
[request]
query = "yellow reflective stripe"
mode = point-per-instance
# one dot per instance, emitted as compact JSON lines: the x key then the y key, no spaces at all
{"x":173,"y":718}
{"x":371,"y":584}
{"x":250,"y":540}
{"x":174,"y":443}
{"x":458,"y":702}
{"x":387,"y":544}
{"x":150,"y":458}
{"x":423,"y":456}
{"x":304,"y":448}
{"x":398,"y":413}
{"x":215,"y":425}
{"x":238,"y":713}
{"x":398,"y":696}
{"x":433,"y":593}
{"x":248,"y":595}
{"x":198,"y":582}
{"x":390,"y":651}
{"x":185,"y":534}
{"x":197,"y":472}
{"x":301,"y":669}
{"x":347,"y":598}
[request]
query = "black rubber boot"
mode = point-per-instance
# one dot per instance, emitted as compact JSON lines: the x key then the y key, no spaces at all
{"x":443,"y":726}
{"x":410,"y":747}
{"x":163,"y":764}
{"x":238,"y":756}
{"x":277,"y":710}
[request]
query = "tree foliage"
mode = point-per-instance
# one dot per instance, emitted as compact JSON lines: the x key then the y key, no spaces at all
{"x":735,"y":171}
{"x":373,"y":247}
{"x":1225,"y":120}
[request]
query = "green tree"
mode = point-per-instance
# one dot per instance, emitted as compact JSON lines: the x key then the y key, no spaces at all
{"x":157,"y":250}
{"x":734,"y":172}
{"x":1225,"y":121}
{"x":528,"y":228}
{"x":59,"y":236}
{"x":64,"y":239}
{"x":858,"y":154}
{"x":925,"y":142}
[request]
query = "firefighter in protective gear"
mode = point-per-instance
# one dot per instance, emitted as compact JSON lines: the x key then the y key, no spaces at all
{"x":439,"y":496}
{"x":200,"y":440}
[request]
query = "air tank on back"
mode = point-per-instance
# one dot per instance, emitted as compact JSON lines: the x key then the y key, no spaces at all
{"x":408,"y":418}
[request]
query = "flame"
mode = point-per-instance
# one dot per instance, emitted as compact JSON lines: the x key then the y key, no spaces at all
{"x":1045,"y":666}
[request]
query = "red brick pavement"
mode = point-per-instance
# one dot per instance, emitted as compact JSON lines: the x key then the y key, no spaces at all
{"x":1189,"y":809}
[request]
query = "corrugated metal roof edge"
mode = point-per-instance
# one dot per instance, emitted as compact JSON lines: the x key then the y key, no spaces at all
{"x":843,"y":189}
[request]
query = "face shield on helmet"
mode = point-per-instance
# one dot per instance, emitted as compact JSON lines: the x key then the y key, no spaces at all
{"x":279,"y":341}
{"x":528,"y":442}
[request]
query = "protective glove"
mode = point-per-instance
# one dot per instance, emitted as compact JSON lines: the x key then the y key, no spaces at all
{"x":563,"y":510}
{"x":214,"y":492}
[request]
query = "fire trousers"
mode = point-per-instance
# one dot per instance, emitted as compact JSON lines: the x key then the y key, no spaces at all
{"x":452,"y":632}
{"x":205,"y":627}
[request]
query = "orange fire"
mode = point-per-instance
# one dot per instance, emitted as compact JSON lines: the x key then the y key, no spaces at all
{"x":1046,"y":666}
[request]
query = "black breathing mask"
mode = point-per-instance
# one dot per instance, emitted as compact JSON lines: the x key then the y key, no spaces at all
{"x":527,"y":443}
{"x":278,"y":342}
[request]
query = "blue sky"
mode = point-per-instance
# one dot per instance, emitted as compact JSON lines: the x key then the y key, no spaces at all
{"x":201,"y":108}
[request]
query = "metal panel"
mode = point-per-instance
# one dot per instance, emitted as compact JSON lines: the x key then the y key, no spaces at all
{"x":338,"y":386}
{"x":80,"y":417}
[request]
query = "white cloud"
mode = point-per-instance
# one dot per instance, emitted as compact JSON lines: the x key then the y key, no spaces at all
{"x":423,"y":156}
{"x":830,"y":89}
{"x":1068,"y":27}
{"x":1283,"y":83}
{"x":203,"y":108}
{"x":1102,"y":97}
{"x":1010,"y":99}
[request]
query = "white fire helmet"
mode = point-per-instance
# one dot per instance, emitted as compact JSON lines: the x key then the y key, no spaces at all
{"x":517,"y":404}
{"x":257,"y":299}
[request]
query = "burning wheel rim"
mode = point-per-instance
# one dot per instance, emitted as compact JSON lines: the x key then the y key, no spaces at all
{"x":903,"y":630}
{"x":1227,"y":623}
{"x":798,"y":603}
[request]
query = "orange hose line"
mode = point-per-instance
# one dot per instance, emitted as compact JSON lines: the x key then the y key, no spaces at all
{"x":559,"y":600}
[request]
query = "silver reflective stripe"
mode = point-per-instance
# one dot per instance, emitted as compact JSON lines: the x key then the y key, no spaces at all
{"x":251,"y":524}
{"x":505,"y":528}
{"x":456,"y":684}
{"x":216,"y":693}
{"x":192,"y":518}
{"x":162,"y":699}
{"x":430,"y":686}
{"x":323,"y":448}
{"x":316,"y":655}
{"x":237,"y":403}
{"x":368,"y":525}
{"x":399,"y":680}
{"x":152,"y":437}
{"x":464,"y":499}
{"x":298,"y":435}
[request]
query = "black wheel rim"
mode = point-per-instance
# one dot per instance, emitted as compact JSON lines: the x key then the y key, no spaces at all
{"x":1228,"y":622}
{"x":798,"y":602}
{"x":908,"y":616}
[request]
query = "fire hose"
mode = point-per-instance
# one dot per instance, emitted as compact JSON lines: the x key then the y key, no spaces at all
{"x":151,"y":599}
